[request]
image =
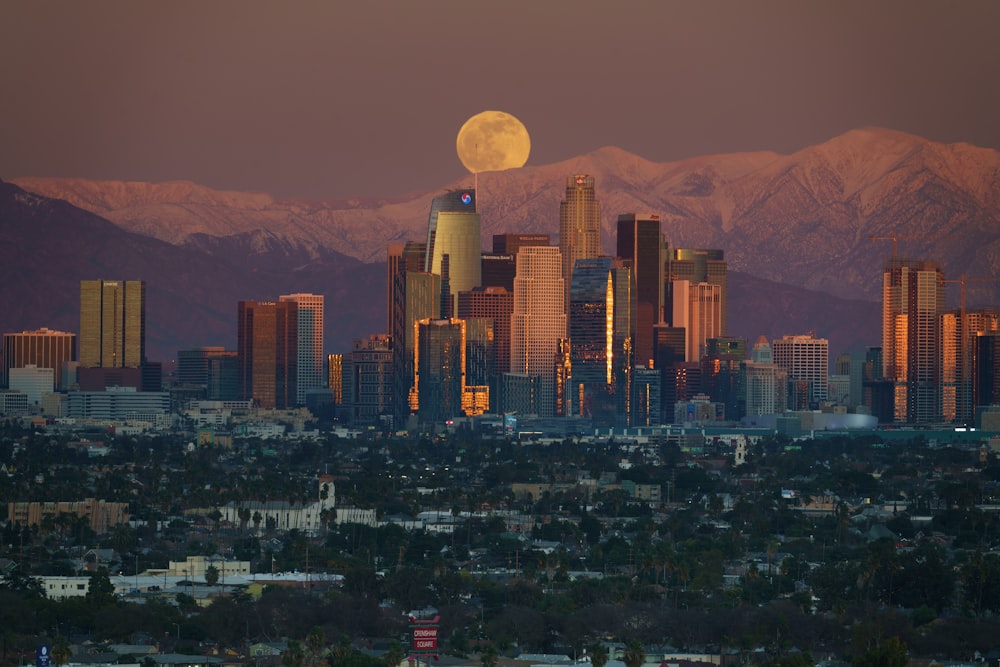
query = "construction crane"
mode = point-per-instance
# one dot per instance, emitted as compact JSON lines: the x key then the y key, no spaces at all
{"x":895,"y":238}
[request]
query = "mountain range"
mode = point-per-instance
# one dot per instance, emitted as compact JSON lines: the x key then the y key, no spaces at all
{"x":796,"y":231}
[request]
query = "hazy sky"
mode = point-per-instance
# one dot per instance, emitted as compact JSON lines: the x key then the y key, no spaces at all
{"x":330,"y":99}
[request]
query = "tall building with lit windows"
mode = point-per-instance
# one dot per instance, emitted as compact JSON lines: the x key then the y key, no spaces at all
{"x":591,"y":334}
{"x":699,"y":265}
{"x":267,"y":352}
{"x":43,"y":347}
{"x":310,"y":346}
{"x":806,"y":361}
{"x":539,"y":319}
{"x":579,"y":225}
{"x":959,"y":330}
{"x":912,"y":305}
{"x":698,"y":308}
{"x":640,"y":242}
{"x":112,"y":323}
{"x":453,"y":230}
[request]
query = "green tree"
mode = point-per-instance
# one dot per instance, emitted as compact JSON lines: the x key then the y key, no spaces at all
{"x":598,"y":655}
{"x":394,"y":655}
{"x":489,"y":657}
{"x":211,"y":575}
{"x":61,"y":652}
{"x":100,"y":590}
{"x":890,"y":653}
{"x":634,"y":654}
{"x":293,"y":656}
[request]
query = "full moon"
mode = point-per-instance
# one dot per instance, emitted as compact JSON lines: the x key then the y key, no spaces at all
{"x":493,"y":141}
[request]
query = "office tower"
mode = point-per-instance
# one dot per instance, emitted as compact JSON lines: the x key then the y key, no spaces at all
{"x":368,"y":381}
{"x":195,"y":368}
{"x":720,"y":372}
{"x":310,"y":351}
{"x":496,"y":304}
{"x":563,"y":373}
{"x":986,"y":370}
{"x":762,"y":352}
{"x":32,"y":381}
{"x":959,"y":329}
{"x":418,"y":297}
{"x":806,"y":360}
{"x":591,"y":328}
{"x":43,"y":347}
{"x":267,"y":352}
{"x":509,"y":244}
{"x":679,"y":382}
{"x":539,"y":318}
{"x":439,"y":369}
{"x":453,"y":230}
{"x":646,"y":402}
{"x":112,"y":323}
{"x":764,"y":389}
{"x":697,"y":307}
{"x":641,"y":243}
{"x":500,"y":265}
{"x":408,"y":256}
{"x":912,"y":303}
{"x":699,"y":265}
{"x":335,"y":377}
{"x":480,"y":365}
{"x":623,"y":337}
{"x":579,"y":225}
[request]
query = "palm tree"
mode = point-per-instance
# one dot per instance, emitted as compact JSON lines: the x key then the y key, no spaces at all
{"x":598,"y":655}
{"x":634,"y":654}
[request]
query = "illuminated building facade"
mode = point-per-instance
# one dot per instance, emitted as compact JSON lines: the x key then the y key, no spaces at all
{"x":43,"y":347}
{"x":640,"y":242}
{"x":579,"y":225}
{"x":806,"y":360}
{"x":439,"y":369}
{"x":699,"y":265}
{"x":368,"y":380}
{"x":454,"y":230}
{"x":496,"y":304}
{"x":112,"y":323}
{"x":698,"y":308}
{"x":591,"y":334}
{"x":912,"y":304}
{"x":310,"y":347}
{"x":539,"y":318}
{"x":267,"y":352}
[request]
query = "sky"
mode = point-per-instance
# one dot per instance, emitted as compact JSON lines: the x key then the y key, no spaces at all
{"x":334,"y":99}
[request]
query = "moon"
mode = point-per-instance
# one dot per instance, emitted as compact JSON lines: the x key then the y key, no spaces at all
{"x":493,"y":141}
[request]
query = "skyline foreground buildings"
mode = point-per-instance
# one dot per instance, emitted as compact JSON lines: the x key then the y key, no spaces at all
{"x":641,"y":335}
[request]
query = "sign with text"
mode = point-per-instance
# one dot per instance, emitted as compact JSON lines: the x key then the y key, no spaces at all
{"x":42,"y":655}
{"x":425,"y":639}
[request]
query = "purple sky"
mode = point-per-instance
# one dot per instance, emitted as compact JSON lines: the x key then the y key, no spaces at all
{"x":329,"y":98}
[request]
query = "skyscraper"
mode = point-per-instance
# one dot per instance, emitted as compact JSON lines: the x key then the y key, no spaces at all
{"x":368,"y":379}
{"x":310,"y":345}
{"x":579,"y":225}
{"x":697,"y":307}
{"x":539,"y":319}
{"x":912,"y":304}
{"x":267,"y":352}
{"x":591,"y":333}
{"x":496,"y":304}
{"x":43,"y":347}
{"x":959,"y":329}
{"x":806,"y":360}
{"x":699,"y":265}
{"x":408,"y":256}
{"x":112,"y":323}
{"x":640,"y":242}
{"x":439,"y":369}
{"x":453,"y":229}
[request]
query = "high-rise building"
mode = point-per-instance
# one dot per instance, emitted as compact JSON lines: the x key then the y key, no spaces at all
{"x":806,"y":360}
{"x":986,"y":370}
{"x":208,"y":368}
{"x":641,"y":243}
{"x":267,"y":352}
{"x":408,"y":256}
{"x":481,"y":381}
{"x":335,"y":377}
{"x":591,"y":333}
{"x":763,"y":389}
{"x":697,"y":307}
{"x":623,"y":337}
{"x":496,"y":304}
{"x":310,"y":351}
{"x":959,"y":329}
{"x":539,"y":318}
{"x":418,"y":297}
{"x":509,"y":244}
{"x":439,"y":369}
{"x":368,"y":380}
{"x":912,"y":304}
{"x":579,"y":226}
{"x":699,"y":265}
{"x":720,"y":373}
{"x":43,"y":347}
{"x":454,"y":230}
{"x":112,"y":323}
{"x":500,"y":265}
